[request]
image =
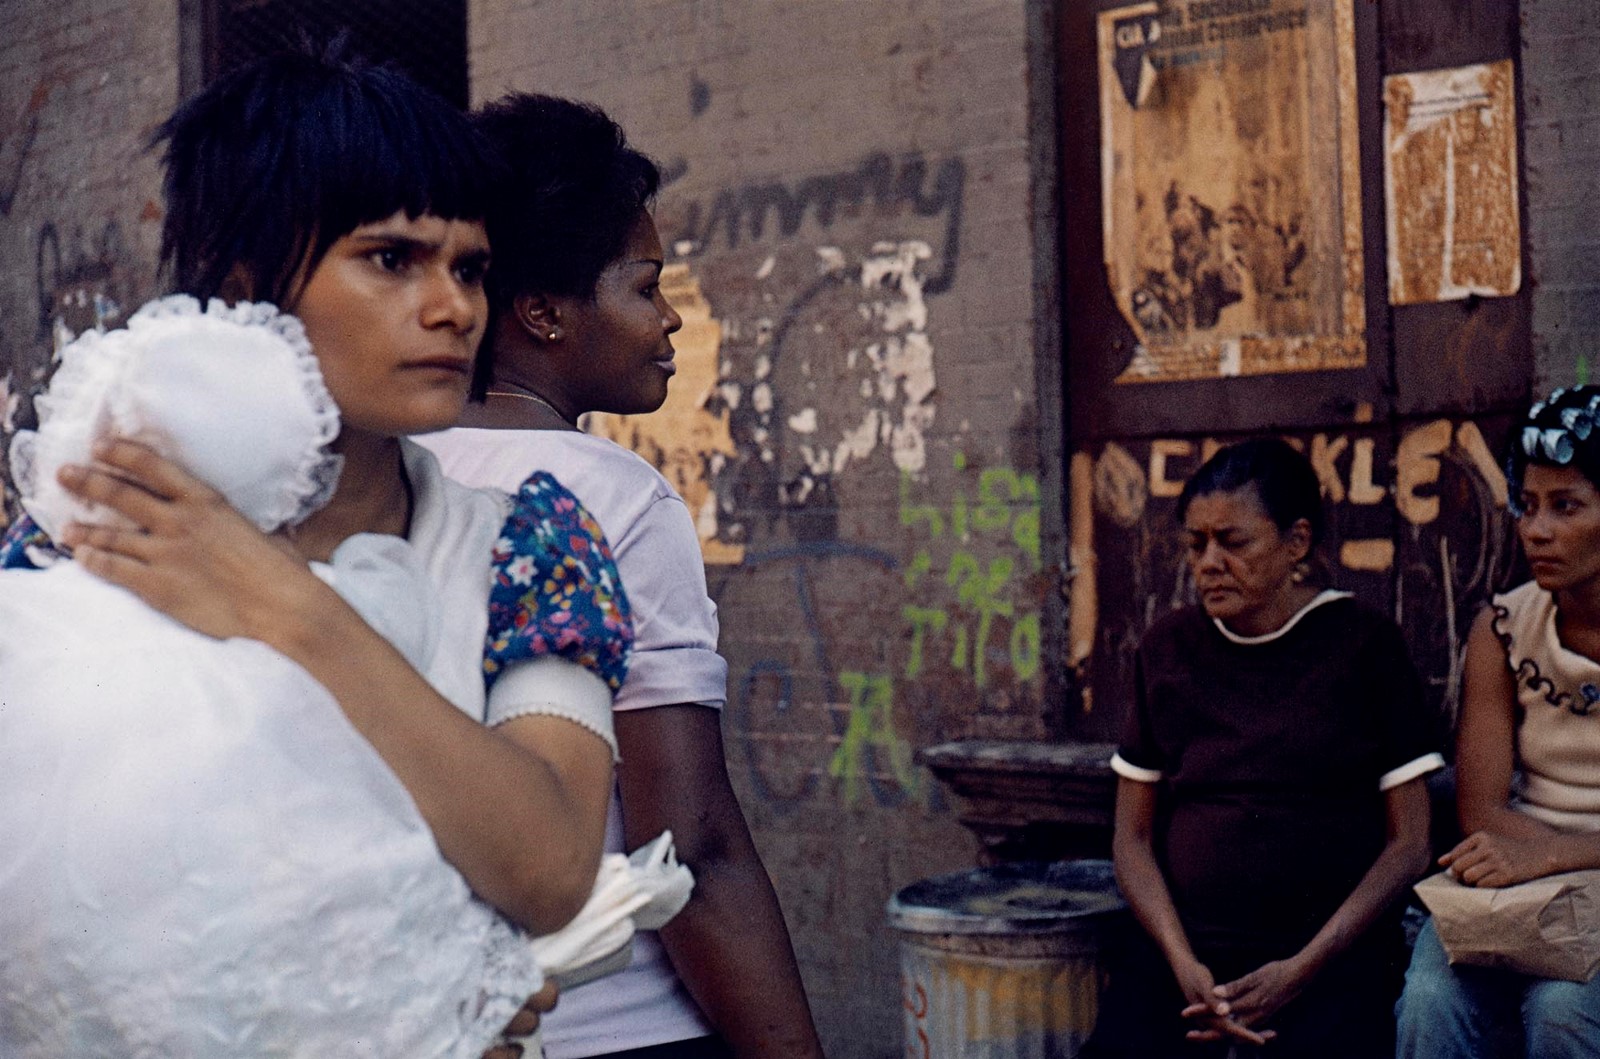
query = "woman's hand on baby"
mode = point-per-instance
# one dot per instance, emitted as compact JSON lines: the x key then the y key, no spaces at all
{"x":1212,"y":1014}
{"x":190,"y":554}
{"x":525,"y":1022}
{"x":1485,"y":858}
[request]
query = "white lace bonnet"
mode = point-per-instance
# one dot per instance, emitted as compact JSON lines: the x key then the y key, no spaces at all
{"x":231,"y":393}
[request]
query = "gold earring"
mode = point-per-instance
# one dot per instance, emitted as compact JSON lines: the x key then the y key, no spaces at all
{"x":1301,"y":571}
{"x":553,"y":335}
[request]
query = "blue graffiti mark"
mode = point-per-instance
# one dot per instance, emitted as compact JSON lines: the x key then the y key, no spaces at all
{"x":804,"y":555}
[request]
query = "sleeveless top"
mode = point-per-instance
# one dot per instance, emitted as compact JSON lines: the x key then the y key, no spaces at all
{"x":1558,"y":699}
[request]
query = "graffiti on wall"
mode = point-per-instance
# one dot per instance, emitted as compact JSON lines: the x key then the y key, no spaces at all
{"x":770,"y":409}
{"x":851,"y":700}
{"x":971,"y":602}
{"x":807,"y":389}
{"x":18,"y":143}
{"x":79,"y":278}
{"x":827,"y":365}
{"x":878,"y":186}
{"x":81,"y":275}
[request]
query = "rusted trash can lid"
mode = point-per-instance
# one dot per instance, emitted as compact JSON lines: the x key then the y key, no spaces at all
{"x":1031,"y":897}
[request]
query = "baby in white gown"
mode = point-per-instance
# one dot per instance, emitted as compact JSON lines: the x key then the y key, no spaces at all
{"x":201,"y":856}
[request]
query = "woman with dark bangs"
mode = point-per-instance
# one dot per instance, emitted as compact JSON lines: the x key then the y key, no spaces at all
{"x":352,"y":198}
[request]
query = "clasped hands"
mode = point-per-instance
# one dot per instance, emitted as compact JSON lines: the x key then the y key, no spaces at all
{"x":1238,"y":1008}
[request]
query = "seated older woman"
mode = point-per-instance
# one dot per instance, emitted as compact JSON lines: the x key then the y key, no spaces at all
{"x":1270,"y":801}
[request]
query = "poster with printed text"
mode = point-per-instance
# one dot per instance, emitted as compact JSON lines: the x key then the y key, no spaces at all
{"x":1231,"y":186}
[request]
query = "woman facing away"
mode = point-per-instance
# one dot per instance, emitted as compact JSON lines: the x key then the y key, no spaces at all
{"x":351,"y":197}
{"x":1270,"y":801}
{"x":1527,"y":751}
{"x":581,"y":325}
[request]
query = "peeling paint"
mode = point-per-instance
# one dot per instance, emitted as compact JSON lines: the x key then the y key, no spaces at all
{"x":859,"y":442}
{"x":1450,"y":183}
{"x":906,"y":360}
{"x":9,"y":401}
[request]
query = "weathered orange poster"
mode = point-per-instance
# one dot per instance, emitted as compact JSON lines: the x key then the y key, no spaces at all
{"x":1231,"y":186}
{"x":1450,"y":179}
{"x":683,"y":439}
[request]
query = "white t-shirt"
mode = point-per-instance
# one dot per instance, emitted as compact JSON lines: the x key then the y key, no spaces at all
{"x":675,"y":661}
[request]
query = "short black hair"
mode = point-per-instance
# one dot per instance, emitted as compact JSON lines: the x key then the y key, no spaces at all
{"x":573,"y":190}
{"x":1284,"y":481}
{"x":1563,"y":430}
{"x":275,"y":161}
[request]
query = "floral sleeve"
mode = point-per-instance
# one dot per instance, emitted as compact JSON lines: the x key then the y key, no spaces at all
{"x":27,"y":547}
{"x":556,"y":589}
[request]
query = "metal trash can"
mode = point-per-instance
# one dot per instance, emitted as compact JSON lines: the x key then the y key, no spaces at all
{"x":1004,"y":962}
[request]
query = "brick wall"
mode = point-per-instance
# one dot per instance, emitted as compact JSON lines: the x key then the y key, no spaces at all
{"x":82,"y":85}
{"x":861,"y":419}
{"x":1561,"y":150}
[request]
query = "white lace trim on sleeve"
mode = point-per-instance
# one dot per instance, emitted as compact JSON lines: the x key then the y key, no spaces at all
{"x":551,"y":686}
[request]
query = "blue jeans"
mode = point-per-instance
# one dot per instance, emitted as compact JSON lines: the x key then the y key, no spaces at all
{"x":1465,"y":1012}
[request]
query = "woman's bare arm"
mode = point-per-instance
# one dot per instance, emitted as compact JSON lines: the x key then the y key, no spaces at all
{"x":729,"y":945}
{"x":1502,"y":846}
{"x":519,"y":810}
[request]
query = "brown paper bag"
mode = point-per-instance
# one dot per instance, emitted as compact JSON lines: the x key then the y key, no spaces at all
{"x":1547,"y":927}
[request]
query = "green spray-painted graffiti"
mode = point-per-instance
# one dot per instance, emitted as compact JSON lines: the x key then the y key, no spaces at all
{"x":970,"y":569}
{"x":871,"y":727}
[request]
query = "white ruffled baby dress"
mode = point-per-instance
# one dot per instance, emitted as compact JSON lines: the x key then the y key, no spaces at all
{"x":199,"y":855}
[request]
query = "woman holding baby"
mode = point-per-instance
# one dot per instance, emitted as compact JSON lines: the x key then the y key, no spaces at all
{"x":354,"y":199}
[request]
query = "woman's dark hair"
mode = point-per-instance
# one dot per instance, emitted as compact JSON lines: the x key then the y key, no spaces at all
{"x":573,"y":191}
{"x":1560,"y":431}
{"x":275,"y":161}
{"x":1283,"y":479}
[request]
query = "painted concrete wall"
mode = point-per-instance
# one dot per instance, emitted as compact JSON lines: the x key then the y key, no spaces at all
{"x":858,"y":420}
{"x":1561,"y":145}
{"x":82,"y":85}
